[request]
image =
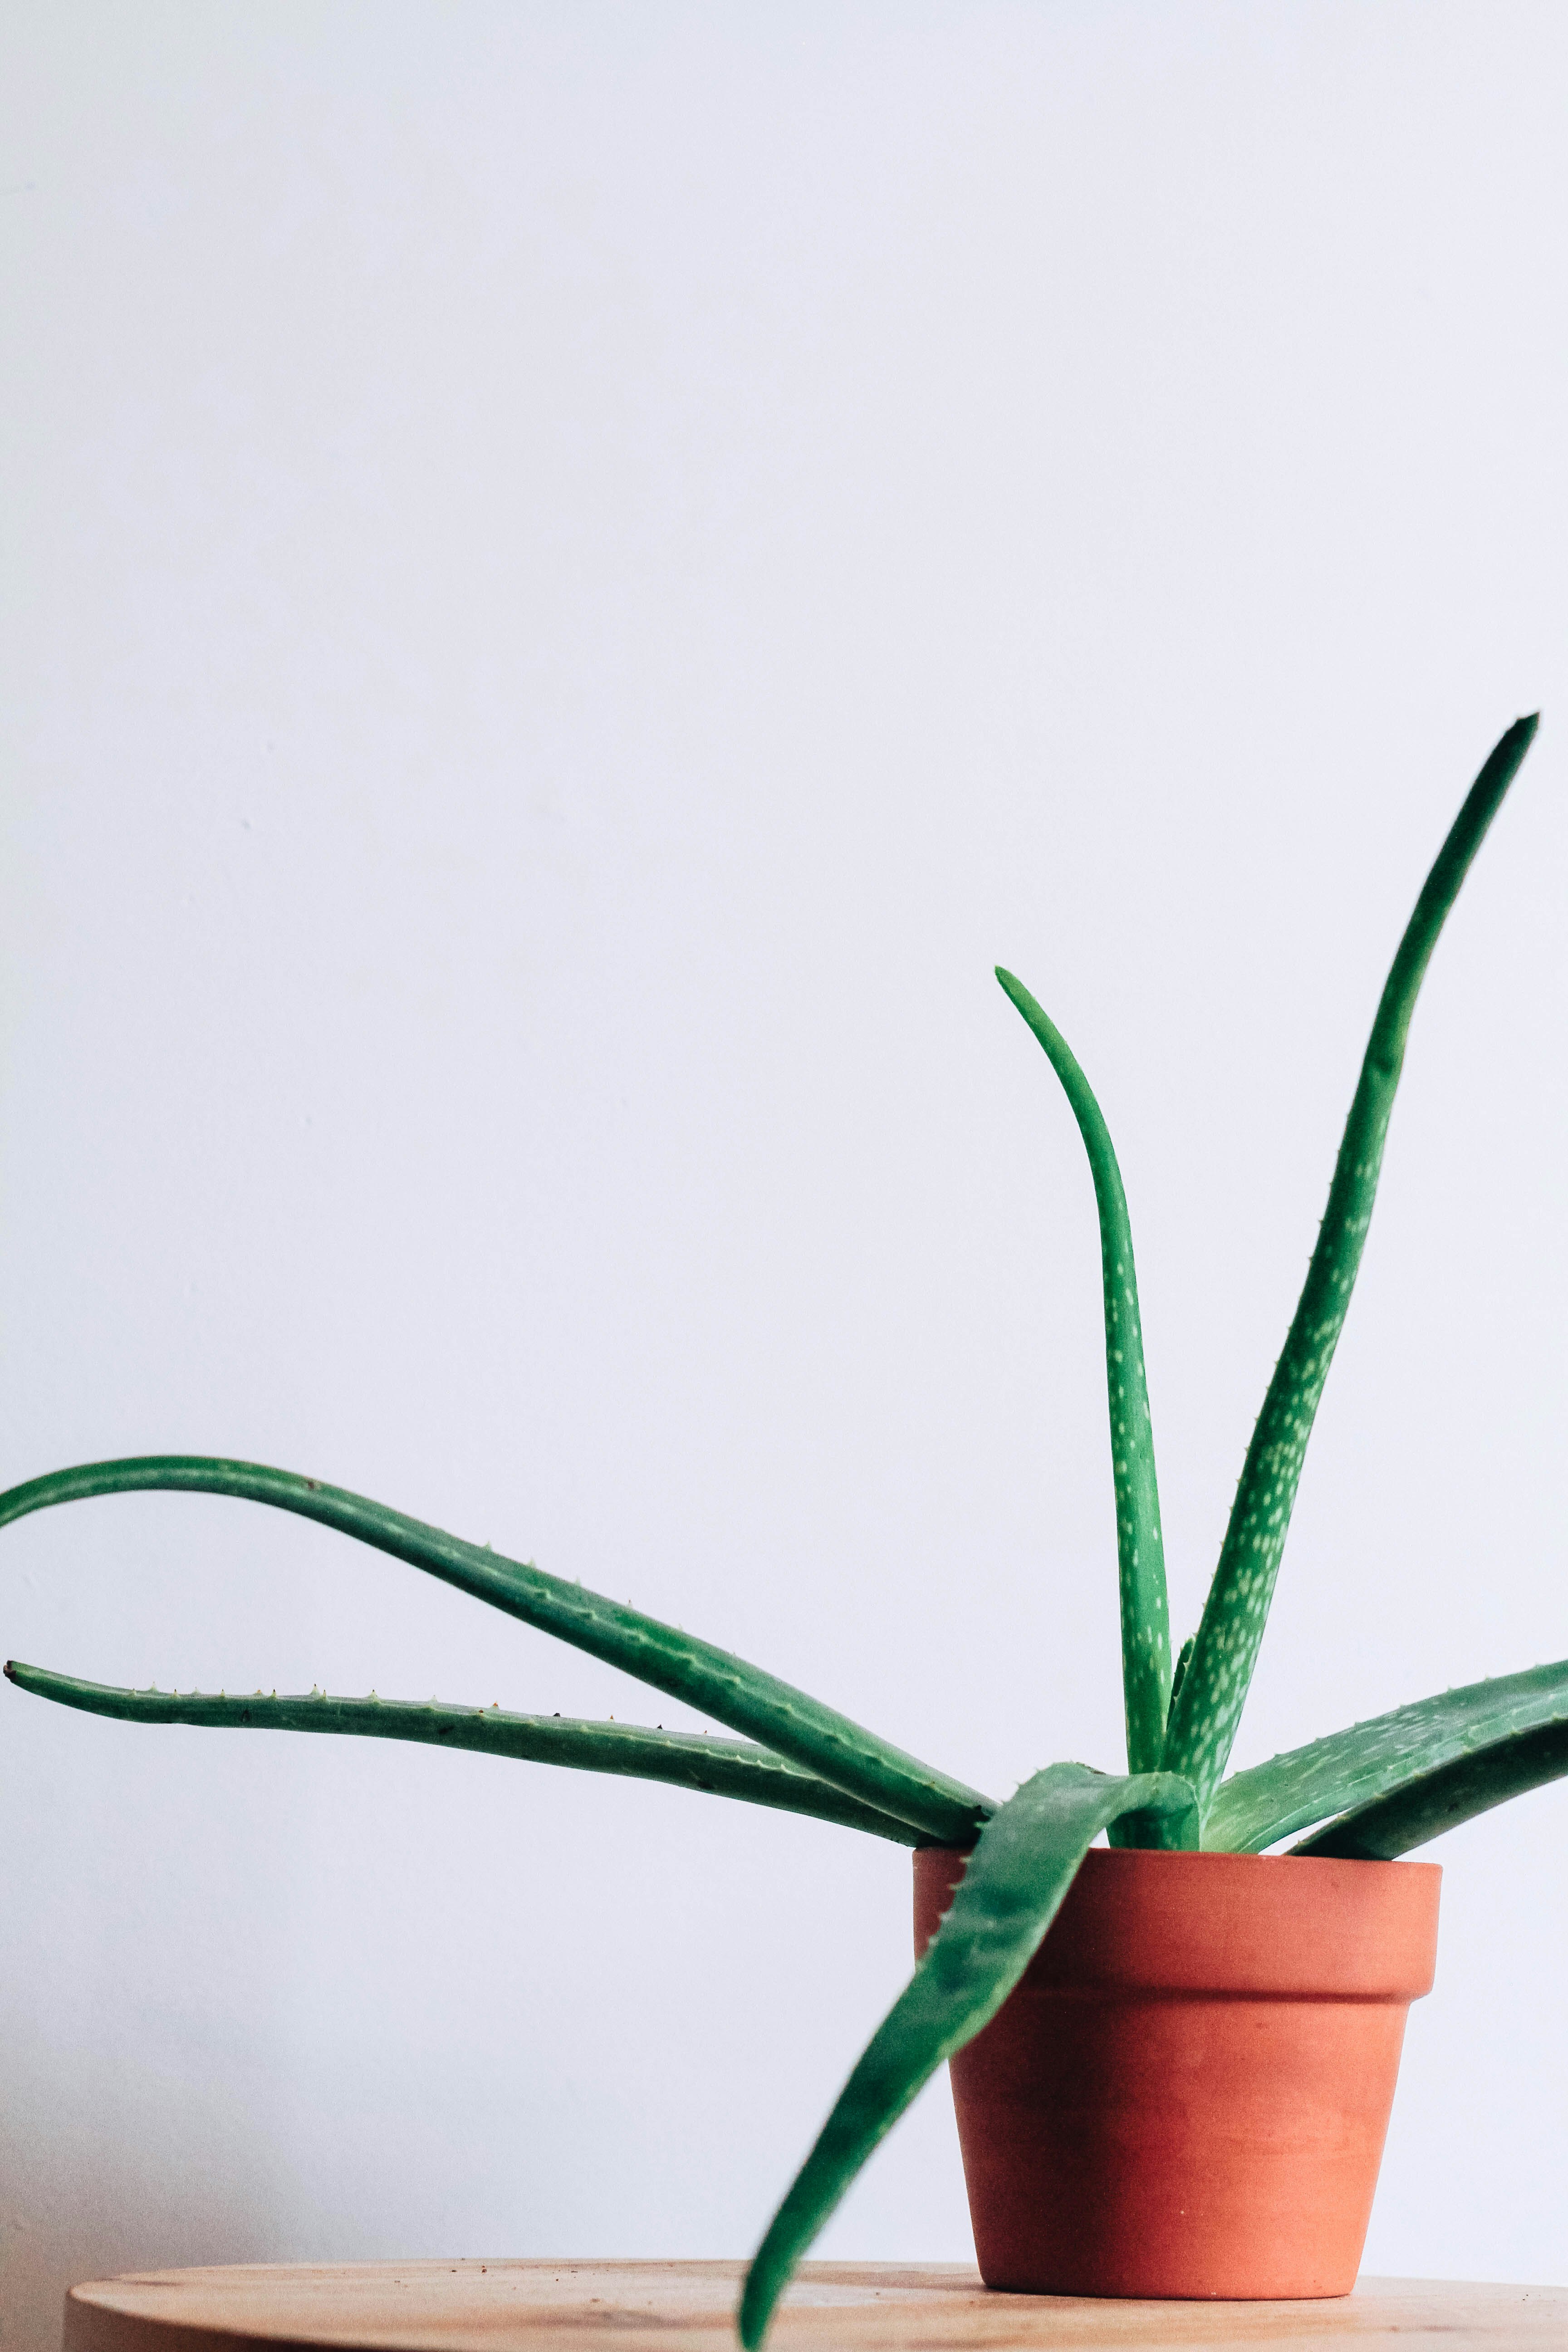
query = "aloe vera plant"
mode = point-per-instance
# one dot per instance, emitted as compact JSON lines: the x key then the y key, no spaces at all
{"x":1375,"y":1791}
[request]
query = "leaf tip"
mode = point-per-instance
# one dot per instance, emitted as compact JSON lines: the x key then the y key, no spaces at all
{"x":1515,"y":741}
{"x":758,"y":2297}
{"x":1013,"y":990}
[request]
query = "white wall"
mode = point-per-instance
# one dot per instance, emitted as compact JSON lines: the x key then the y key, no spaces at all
{"x":578,"y":574}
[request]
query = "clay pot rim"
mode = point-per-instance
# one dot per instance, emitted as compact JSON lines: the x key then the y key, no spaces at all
{"x":1138,"y":1920}
{"x":1148,"y":1853}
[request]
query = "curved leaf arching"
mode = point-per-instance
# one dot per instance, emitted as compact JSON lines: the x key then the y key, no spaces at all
{"x":1370,"y":1760}
{"x":681,"y":1759}
{"x":1433,"y":1802}
{"x":794,"y":1726}
{"x":1140,"y":1542}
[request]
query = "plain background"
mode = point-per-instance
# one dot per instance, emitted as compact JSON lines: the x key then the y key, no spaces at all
{"x":578,"y":575}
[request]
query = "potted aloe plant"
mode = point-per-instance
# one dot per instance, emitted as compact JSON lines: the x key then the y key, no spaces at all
{"x":1183,"y":2088}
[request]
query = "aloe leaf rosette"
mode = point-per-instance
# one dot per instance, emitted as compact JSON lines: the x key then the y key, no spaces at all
{"x":1373,"y":1792}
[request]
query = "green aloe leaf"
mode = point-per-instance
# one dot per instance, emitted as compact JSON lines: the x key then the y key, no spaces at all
{"x":1012,"y":1888}
{"x":1140,"y":1544}
{"x":1208,"y":1709}
{"x":1370,"y":1760}
{"x":1440,"y":1801}
{"x":1183,"y":1659}
{"x":720,"y":1768}
{"x":794,"y":1726}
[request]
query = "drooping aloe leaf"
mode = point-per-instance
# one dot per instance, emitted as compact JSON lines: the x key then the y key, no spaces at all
{"x":1204,"y":1718}
{"x":1140,"y":1545}
{"x":1350,"y":1768}
{"x":800,"y":1728}
{"x":1012,"y":1889}
{"x":1440,"y":1801}
{"x":720,"y":1768}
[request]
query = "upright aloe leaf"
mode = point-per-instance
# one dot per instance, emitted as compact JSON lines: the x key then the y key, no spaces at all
{"x":1012,"y":1888}
{"x":1140,"y":1545}
{"x":682,"y":1759}
{"x":816,"y":1737}
{"x":1258,"y":1807}
{"x":1439,"y":1800}
{"x":1214,"y":1692}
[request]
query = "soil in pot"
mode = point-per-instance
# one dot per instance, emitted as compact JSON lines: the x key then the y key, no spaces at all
{"x":1187,"y":2093}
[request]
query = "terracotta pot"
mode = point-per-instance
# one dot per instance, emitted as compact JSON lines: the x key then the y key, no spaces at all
{"x":1188,"y":2092}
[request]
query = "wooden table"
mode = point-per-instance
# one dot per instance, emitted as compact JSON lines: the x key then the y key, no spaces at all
{"x":592,"y":2307}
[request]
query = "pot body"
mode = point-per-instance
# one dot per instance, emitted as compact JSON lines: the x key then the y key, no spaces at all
{"x":1188,"y":2091}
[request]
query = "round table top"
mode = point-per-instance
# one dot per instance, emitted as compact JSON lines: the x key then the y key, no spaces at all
{"x":626,"y":2306}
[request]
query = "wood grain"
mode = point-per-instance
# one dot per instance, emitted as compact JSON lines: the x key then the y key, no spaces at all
{"x":622,"y":2306}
